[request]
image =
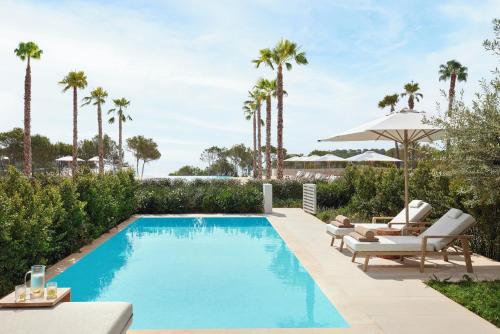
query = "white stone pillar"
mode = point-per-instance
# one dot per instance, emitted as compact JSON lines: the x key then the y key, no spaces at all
{"x":267,"y":189}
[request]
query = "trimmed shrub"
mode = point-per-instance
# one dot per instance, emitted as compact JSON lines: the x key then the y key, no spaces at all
{"x":165,"y":196}
{"x":47,"y":218}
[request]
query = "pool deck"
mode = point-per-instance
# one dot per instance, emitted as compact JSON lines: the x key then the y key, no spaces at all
{"x":389,"y":298}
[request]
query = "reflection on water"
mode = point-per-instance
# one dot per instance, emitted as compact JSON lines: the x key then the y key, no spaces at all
{"x":202,"y":273}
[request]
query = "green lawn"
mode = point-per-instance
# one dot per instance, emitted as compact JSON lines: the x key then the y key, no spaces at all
{"x":481,"y":297}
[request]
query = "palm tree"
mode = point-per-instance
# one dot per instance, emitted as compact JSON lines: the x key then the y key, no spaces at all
{"x":27,"y":51}
{"x":250,"y":110}
{"x":283,"y":53}
{"x":257,"y":97}
{"x":98,"y":98}
{"x":411,"y":90}
{"x":454,"y":71}
{"x":391,"y":101}
{"x":74,"y":80}
{"x":268,"y":88}
{"x":120,"y":106}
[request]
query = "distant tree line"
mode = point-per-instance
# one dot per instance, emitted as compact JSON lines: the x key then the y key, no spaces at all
{"x":45,"y":152}
{"x":234,"y":161}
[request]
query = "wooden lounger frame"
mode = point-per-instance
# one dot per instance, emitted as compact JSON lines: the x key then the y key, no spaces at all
{"x":464,"y":241}
{"x":414,"y":228}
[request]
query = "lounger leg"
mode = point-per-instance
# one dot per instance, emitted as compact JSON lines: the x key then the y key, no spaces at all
{"x":353,"y":257}
{"x":422,"y":262}
{"x":468,"y":262}
{"x":341,"y":244}
{"x":401,"y":259}
{"x":365,"y":266}
{"x":422,"y":256}
{"x":445,"y":255}
{"x":333,"y":239}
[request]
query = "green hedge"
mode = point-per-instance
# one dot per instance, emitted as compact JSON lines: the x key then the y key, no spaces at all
{"x":45,"y":219}
{"x":166,"y":196}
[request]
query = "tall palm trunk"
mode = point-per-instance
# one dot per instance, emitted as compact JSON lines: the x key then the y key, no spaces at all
{"x":268,"y":137}
{"x":451,"y":93}
{"x":280,"y":121}
{"x":142,"y":172}
{"x":74,"y":163}
{"x":27,"y":120}
{"x":411,"y":102}
{"x":100,"y":140}
{"x":254,"y":155}
{"x":259,"y":142}
{"x":120,"y":152}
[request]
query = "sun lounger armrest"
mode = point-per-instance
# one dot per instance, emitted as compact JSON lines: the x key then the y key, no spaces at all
{"x":451,"y":237}
{"x":414,"y":228}
{"x":376,"y":219}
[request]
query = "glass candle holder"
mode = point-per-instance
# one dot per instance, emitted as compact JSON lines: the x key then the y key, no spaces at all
{"x":20,"y":294}
{"x":52,"y":290}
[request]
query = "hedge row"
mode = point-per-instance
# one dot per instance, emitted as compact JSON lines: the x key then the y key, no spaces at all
{"x":198,"y":196}
{"x":45,"y":219}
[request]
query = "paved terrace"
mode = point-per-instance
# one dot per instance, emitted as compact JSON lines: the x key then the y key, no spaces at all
{"x":389,"y":298}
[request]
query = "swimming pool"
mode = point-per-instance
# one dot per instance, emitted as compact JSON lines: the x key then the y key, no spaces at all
{"x":216,"y":272}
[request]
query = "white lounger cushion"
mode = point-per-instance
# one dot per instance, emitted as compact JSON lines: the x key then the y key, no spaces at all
{"x":340,"y":231}
{"x":447,"y":225}
{"x":417,"y":211}
{"x":72,"y":317}
{"x":388,"y":244}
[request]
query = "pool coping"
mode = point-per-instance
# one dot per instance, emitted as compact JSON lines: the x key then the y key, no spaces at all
{"x":304,"y":235}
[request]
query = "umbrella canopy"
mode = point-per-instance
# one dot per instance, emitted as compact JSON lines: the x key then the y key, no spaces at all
{"x":96,"y":159}
{"x":293,"y":159}
{"x":372,"y":156}
{"x":312,"y":158}
{"x":330,"y":158}
{"x":67,"y":158}
{"x":393,"y":127}
{"x":405,"y":127}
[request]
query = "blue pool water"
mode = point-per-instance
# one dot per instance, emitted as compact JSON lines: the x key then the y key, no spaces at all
{"x":202,"y":273}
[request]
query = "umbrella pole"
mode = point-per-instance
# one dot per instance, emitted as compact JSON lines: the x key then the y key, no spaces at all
{"x":405,"y":153}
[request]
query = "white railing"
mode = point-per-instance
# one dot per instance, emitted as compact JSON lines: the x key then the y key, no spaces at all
{"x":309,"y":198}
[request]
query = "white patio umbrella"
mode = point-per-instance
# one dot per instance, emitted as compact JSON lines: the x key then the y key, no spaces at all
{"x":292,"y":159}
{"x":405,"y":127}
{"x":67,"y":158}
{"x":330,"y":158}
{"x":96,"y":160}
{"x":372,"y":156}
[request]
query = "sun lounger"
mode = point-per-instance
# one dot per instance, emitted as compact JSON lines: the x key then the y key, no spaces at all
{"x":299,"y":174}
{"x":433,"y":241}
{"x":319,"y":176}
{"x":71,"y":317}
{"x":418,"y":210}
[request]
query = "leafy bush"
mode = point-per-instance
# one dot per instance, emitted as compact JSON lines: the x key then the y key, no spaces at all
{"x":333,"y":194}
{"x":282,"y":189}
{"x":45,"y":219}
{"x":179,"y":196}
